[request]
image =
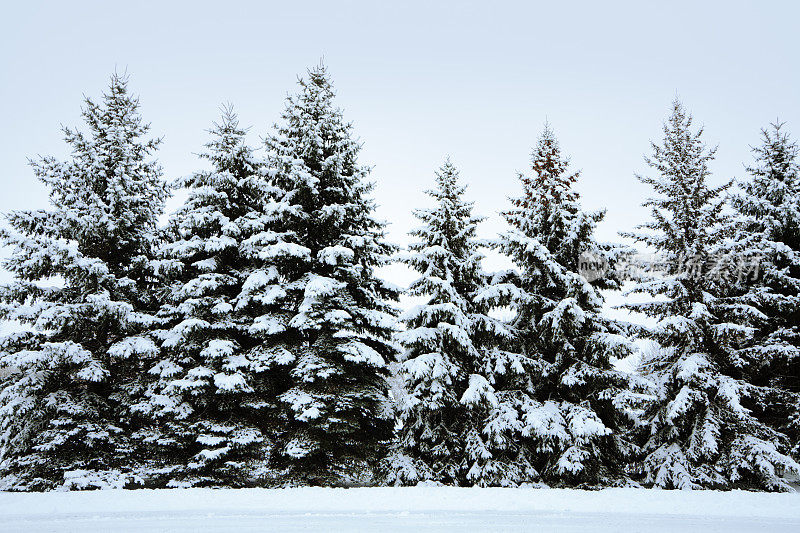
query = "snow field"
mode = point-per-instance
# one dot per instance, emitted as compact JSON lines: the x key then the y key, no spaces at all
{"x":398,"y":509}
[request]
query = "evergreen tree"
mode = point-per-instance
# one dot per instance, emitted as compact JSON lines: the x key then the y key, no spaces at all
{"x":697,"y":432}
{"x":211,"y":405}
{"x":448,"y":343}
{"x":563,"y":405}
{"x":336,"y":341}
{"x":767,"y":241}
{"x":84,"y":288}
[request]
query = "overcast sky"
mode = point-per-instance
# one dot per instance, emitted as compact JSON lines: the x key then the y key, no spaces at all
{"x":419,"y":81}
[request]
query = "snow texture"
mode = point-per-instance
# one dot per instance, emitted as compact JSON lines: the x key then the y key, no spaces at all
{"x":400,"y":509}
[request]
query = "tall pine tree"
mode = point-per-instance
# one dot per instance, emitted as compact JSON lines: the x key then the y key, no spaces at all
{"x":697,"y":432}
{"x":767,"y":234}
{"x":336,"y":339}
{"x":211,"y":405}
{"x":449,"y":343}
{"x":565,"y":406}
{"x":84,"y":287}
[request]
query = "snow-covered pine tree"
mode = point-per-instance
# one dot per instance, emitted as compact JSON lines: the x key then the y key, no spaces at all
{"x":696,"y":432}
{"x":446,"y":341}
{"x":83,"y":286}
{"x":768,"y":234}
{"x":338,"y":415}
{"x":211,"y":405}
{"x":561,"y":404}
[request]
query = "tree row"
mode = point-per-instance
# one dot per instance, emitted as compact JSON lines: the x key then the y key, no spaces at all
{"x":250,"y":342}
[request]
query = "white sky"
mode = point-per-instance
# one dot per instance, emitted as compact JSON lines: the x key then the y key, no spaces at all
{"x":419,"y":81}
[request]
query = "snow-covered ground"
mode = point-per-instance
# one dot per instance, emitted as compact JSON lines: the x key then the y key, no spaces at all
{"x":399,"y":509}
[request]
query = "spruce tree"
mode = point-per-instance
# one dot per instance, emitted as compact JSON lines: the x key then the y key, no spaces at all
{"x":697,"y":432}
{"x":83,"y":287}
{"x":211,"y":405}
{"x":448,"y":343}
{"x":337,"y":338}
{"x":563,"y":405}
{"x":767,"y":243}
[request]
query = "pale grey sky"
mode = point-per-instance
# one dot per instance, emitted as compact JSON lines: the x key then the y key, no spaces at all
{"x":419,"y":80}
